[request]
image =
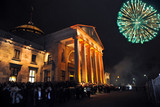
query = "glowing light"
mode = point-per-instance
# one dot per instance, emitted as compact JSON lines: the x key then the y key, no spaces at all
{"x":12,"y":78}
{"x":71,"y":75}
{"x":129,"y":86}
{"x":138,"y":22}
{"x":46,"y":57}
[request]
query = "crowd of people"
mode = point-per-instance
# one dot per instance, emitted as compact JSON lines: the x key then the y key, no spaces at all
{"x":39,"y":94}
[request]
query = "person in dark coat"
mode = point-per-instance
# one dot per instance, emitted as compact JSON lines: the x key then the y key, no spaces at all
{"x":38,"y":97}
{"x":49,"y":96}
{"x":88,"y":91}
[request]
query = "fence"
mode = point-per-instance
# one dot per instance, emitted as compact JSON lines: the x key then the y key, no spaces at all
{"x":153,"y":91}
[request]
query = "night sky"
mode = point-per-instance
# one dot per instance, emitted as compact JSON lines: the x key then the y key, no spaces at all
{"x":53,"y":15}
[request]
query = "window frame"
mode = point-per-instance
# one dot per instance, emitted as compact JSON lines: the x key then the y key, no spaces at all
{"x":17,"y":54}
{"x":33,"y":62}
{"x":47,"y":76}
{"x":30,"y":76}
{"x":15,"y":69}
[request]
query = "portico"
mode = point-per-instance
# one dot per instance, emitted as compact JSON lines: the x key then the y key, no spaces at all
{"x":87,"y":55}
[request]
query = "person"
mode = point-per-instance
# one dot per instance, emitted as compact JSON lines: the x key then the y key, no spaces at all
{"x":88,"y":91}
{"x":16,"y":96}
{"x":49,"y":96}
{"x":38,"y":97}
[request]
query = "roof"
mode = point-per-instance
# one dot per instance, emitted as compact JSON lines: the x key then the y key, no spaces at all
{"x":91,"y":31}
{"x":29,"y":28}
{"x":7,"y":35}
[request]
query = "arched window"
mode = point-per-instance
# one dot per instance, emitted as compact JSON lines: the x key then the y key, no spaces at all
{"x":71,"y":58}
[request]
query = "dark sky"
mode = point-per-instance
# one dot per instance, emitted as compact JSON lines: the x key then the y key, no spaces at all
{"x":54,"y":15}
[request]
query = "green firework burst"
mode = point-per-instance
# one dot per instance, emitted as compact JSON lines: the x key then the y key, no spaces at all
{"x":138,"y":22}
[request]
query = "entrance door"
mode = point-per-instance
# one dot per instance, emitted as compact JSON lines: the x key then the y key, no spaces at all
{"x":71,"y":67}
{"x":71,"y":70}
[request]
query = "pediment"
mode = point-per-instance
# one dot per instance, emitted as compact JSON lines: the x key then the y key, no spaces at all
{"x":90,"y":30}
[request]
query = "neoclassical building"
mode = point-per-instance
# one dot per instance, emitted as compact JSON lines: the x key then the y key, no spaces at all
{"x":71,"y":54}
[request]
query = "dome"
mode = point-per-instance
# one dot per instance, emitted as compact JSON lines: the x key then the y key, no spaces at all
{"x":28,"y":28}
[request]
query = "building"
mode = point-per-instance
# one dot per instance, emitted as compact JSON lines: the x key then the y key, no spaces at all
{"x":71,"y":54}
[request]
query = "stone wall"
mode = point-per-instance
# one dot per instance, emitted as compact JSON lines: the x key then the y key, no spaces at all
{"x":6,"y":57}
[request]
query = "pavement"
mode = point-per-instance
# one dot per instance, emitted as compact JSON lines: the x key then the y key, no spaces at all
{"x":112,"y":99}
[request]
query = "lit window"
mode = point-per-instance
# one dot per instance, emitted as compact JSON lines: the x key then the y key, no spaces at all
{"x":71,"y":76}
{"x":32,"y":76}
{"x":14,"y":68}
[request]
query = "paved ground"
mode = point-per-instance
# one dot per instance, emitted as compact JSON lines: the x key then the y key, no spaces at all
{"x":113,"y":99}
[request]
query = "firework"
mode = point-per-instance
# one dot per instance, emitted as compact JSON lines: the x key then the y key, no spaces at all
{"x":138,"y":22}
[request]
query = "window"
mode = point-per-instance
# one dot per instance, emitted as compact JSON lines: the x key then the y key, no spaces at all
{"x":14,"y":72}
{"x":63,"y":75}
{"x":47,"y":76}
{"x":71,"y":76}
{"x":32,"y":76}
{"x":63,"y":56}
{"x":16,"y":54}
{"x":71,"y":58}
{"x":49,"y":59}
{"x":33,"y":58}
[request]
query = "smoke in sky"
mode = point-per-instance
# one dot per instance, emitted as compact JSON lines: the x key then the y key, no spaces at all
{"x":131,"y":70}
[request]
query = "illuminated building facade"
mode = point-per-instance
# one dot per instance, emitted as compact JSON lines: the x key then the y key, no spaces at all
{"x":71,"y":54}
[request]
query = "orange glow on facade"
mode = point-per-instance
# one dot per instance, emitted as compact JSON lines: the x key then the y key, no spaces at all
{"x":80,"y":40}
{"x":80,"y":80}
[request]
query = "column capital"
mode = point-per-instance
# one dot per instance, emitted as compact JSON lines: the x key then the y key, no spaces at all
{"x":75,"y":37}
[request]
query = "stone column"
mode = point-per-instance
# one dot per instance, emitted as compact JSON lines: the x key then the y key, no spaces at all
{"x":84,"y":69}
{"x":94,"y":67}
{"x":89,"y":67}
{"x":102,"y":69}
{"x":98,"y":68}
{"x":77,"y":61}
{"x":96,"y":64}
{"x":58,"y":73}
